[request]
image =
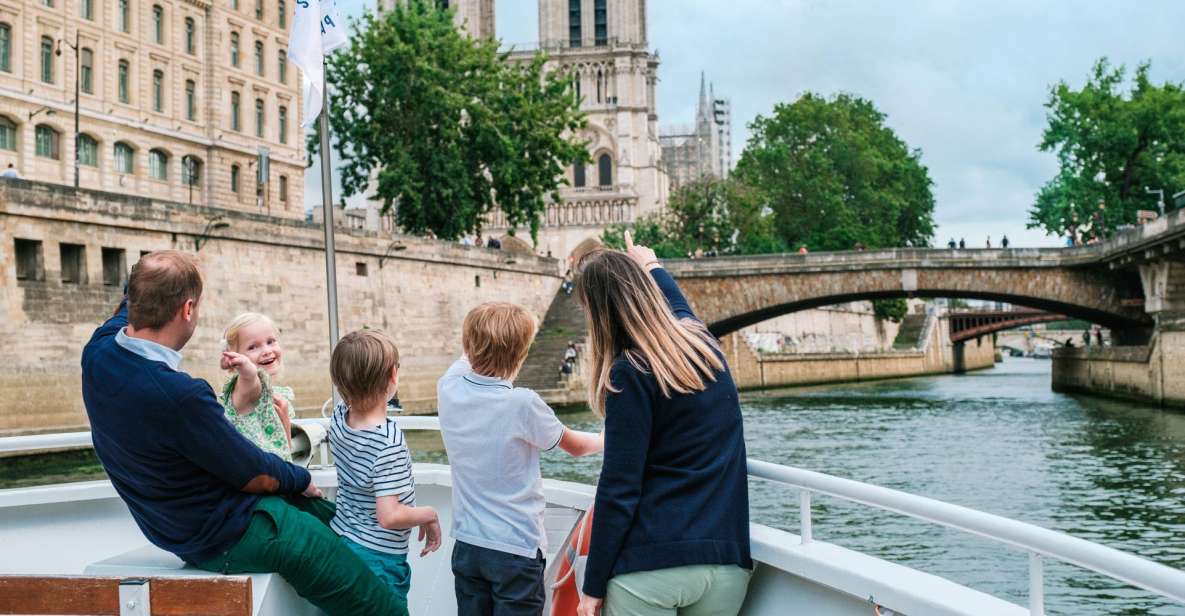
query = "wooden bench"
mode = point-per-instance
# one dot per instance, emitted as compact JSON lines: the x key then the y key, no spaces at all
{"x":101,"y":596}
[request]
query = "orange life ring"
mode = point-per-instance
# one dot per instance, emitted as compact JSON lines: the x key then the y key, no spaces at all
{"x":565,"y":594}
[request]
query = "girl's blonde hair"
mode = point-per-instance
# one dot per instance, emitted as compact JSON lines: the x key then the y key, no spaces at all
{"x":628,"y":315}
{"x":230,"y":335}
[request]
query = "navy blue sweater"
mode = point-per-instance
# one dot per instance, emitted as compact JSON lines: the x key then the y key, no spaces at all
{"x":169,"y":451}
{"x":674,"y":486}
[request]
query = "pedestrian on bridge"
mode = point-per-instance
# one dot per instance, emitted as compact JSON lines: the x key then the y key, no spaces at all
{"x":989,"y":241}
{"x":962,"y":243}
{"x":1004,"y":242}
{"x":1086,"y":338}
{"x":951,"y":244}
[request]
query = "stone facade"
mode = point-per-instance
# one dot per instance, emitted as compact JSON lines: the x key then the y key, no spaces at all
{"x":703,"y":150}
{"x":158,"y":85}
{"x":604,"y":45}
{"x":842,"y":328}
{"x":64,"y":257}
{"x":474,"y":17}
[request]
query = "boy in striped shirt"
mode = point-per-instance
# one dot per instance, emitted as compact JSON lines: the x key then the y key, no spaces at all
{"x":376,"y":496}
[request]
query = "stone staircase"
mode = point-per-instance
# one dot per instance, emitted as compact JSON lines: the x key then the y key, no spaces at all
{"x":564,"y":322}
{"x":911,"y":333}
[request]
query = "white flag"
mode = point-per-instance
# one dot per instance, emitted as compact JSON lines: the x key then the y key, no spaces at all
{"x":316,"y":31}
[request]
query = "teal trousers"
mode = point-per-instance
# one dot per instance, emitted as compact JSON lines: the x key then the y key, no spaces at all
{"x":291,"y":536}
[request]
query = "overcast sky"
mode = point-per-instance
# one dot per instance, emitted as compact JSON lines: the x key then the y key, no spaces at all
{"x":963,"y":81}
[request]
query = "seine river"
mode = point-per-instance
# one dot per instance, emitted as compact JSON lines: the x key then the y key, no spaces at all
{"x":997,"y":440}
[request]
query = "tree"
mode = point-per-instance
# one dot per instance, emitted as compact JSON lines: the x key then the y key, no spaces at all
{"x":1111,"y":146}
{"x":712,"y":215}
{"x":835,"y":176}
{"x":445,"y":126}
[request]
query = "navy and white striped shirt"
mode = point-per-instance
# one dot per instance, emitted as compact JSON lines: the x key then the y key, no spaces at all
{"x":372,"y":462}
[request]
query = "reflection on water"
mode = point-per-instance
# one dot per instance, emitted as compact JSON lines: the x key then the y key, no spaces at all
{"x":999,"y":441}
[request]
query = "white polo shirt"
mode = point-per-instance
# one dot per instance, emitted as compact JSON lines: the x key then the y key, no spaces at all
{"x":493,"y":433}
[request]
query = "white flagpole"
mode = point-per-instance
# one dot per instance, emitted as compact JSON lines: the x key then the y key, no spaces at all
{"x":327,"y":205}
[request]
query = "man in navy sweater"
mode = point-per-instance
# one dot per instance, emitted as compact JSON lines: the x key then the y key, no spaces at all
{"x":194,"y":485}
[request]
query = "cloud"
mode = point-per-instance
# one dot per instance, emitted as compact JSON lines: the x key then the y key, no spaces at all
{"x":963,"y":81}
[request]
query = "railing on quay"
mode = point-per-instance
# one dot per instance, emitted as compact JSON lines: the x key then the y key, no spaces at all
{"x":1036,"y":541}
{"x":1039,"y":543}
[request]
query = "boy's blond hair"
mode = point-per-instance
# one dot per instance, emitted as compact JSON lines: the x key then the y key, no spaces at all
{"x":361,"y":366}
{"x":496,"y":337}
{"x":230,"y":335}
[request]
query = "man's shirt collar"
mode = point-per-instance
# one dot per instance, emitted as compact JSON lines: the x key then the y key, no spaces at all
{"x":149,"y":350}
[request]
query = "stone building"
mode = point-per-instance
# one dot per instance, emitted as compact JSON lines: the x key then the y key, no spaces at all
{"x":179,"y":100}
{"x":704,"y":149}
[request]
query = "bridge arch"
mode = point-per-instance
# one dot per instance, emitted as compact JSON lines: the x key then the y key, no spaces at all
{"x":735,"y":292}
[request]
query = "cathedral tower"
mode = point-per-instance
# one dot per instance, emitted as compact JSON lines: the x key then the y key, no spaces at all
{"x":474,"y":17}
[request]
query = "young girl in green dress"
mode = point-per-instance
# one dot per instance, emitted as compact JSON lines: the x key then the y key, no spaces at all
{"x":261,"y":410}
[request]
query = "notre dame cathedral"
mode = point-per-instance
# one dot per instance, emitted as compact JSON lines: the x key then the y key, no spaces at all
{"x":603,"y":43}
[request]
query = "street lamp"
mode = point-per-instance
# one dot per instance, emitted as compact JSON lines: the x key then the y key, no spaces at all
{"x":77,"y":98}
{"x":1160,"y":192}
{"x":212,"y":225}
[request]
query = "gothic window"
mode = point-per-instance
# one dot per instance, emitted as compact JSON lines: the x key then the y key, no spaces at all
{"x":578,"y":178}
{"x":7,"y":134}
{"x":234,"y":179}
{"x":47,"y":142}
{"x":259,"y":117}
{"x":87,"y":75}
{"x":158,"y":90}
{"x":574,"y":33}
{"x":600,"y":86}
{"x":190,"y":33}
{"x":601,"y":22}
{"x":284,"y":189}
{"x":124,"y":158}
{"x":158,"y":24}
{"x":88,"y":151}
{"x":124,"y":70}
{"x":5,"y":48}
{"x":158,"y":164}
{"x":47,"y":59}
{"x":605,"y":171}
{"x":190,"y":100}
{"x":235,"y":107}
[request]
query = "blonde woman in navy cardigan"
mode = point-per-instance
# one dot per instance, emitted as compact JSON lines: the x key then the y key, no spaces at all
{"x":670,"y":534}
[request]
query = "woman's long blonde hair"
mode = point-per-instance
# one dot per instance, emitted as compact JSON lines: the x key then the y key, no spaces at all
{"x":627,"y":314}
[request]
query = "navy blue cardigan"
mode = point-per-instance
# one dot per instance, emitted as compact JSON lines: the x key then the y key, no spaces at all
{"x":169,"y":450}
{"x":674,"y":487}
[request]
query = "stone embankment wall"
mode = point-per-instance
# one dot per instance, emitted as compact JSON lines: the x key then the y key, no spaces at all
{"x":417,"y":290}
{"x":1154,"y":373}
{"x":753,"y":370}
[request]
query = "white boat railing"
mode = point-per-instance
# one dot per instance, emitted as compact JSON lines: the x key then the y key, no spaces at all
{"x":1037,"y":542}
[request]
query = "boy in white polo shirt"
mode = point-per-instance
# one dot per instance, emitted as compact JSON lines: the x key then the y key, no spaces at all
{"x":493,"y":433}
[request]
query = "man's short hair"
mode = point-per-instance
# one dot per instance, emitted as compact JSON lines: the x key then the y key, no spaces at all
{"x":496,"y":337}
{"x":159,"y":285}
{"x":361,"y":366}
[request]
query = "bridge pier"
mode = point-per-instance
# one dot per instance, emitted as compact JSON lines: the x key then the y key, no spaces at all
{"x":959,"y":357}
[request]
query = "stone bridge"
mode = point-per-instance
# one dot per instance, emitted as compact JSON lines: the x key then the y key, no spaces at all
{"x":1122,"y":284}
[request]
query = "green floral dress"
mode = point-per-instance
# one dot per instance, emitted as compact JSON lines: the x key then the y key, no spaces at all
{"x":262,"y":426}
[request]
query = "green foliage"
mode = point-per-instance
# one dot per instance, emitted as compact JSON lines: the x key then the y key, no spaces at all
{"x":445,"y":125}
{"x":835,"y":176}
{"x":890,"y":309}
{"x":1110,"y":146}
{"x":723,"y":216}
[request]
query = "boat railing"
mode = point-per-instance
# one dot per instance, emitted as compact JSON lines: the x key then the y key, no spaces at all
{"x":1039,"y":543}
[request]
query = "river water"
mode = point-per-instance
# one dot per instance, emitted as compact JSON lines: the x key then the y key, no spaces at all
{"x":997,"y":440}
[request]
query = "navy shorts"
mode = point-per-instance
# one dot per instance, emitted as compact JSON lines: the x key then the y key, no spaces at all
{"x":490,"y":582}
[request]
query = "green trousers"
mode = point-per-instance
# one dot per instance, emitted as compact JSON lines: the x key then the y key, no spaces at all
{"x":694,"y":590}
{"x":291,"y":536}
